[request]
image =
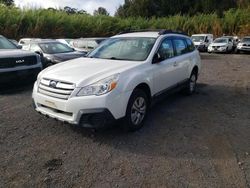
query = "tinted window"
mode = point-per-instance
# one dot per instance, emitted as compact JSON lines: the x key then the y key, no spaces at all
{"x":166,"y":49}
{"x":180,"y":46}
{"x":55,"y":47}
{"x":190,"y":45}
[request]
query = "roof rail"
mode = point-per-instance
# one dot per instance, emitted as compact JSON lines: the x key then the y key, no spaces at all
{"x":160,"y":31}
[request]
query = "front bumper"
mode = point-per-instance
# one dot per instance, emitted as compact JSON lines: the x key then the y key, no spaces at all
{"x":243,"y":48}
{"x":85,"y":111}
{"x":216,"y":49}
{"x":7,"y":75}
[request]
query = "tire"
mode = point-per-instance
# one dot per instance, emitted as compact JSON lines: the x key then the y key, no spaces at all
{"x":191,"y":85}
{"x":137,"y":110}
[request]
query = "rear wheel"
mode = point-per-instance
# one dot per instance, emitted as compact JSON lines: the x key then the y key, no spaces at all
{"x":136,"y":110}
{"x":191,"y":85}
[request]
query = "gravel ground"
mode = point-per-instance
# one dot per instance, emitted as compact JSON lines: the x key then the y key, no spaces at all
{"x":197,"y":141}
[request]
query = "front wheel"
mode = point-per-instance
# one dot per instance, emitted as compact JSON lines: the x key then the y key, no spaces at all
{"x":136,"y":110}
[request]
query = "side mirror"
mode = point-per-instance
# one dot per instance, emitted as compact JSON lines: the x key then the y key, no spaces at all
{"x":157,"y":58}
{"x":39,"y":53}
{"x":19,"y":46}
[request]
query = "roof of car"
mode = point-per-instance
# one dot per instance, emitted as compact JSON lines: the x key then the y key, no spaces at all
{"x":96,"y":38}
{"x":149,"y":33}
{"x":202,"y":34}
{"x":139,"y":34}
{"x":43,"y":41}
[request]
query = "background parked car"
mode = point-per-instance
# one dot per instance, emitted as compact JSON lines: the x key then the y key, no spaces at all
{"x":26,"y":41}
{"x":52,"y":51}
{"x":244,"y":45}
{"x":86,"y":44}
{"x":202,"y":41}
{"x":224,"y":45}
{"x":15,"y":62}
{"x":232,"y":39}
{"x":65,"y":41}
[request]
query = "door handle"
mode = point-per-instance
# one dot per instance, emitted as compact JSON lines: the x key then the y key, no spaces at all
{"x":175,"y":64}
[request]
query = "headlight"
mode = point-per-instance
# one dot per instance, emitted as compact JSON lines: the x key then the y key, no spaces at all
{"x":240,"y":45}
{"x":101,"y":87}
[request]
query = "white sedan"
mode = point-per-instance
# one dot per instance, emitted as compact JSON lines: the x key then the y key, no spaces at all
{"x":224,"y":45}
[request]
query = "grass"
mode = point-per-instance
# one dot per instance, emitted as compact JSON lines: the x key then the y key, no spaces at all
{"x":16,"y":23}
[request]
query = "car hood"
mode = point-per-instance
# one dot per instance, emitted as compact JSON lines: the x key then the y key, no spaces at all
{"x":219,"y":44}
{"x":65,"y":56}
{"x":84,"y":71}
{"x":6,"y":53}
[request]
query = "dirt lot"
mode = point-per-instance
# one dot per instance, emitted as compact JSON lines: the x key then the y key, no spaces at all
{"x":197,"y":141}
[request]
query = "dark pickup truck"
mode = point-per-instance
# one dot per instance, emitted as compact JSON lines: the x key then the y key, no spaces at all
{"x":15,"y":63}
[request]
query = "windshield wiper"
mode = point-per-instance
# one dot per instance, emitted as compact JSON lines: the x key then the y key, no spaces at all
{"x":115,"y":58}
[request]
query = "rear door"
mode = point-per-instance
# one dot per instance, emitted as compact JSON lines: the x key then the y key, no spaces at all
{"x":183,"y":59}
{"x":164,"y":71}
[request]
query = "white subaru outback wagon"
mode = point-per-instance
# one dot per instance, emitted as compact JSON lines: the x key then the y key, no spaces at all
{"x":118,"y":79}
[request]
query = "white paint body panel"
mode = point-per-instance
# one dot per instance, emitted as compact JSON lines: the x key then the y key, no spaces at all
{"x":86,"y":71}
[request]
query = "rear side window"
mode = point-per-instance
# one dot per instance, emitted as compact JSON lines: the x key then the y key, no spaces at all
{"x":190,"y":45}
{"x":180,"y":46}
{"x":166,"y":49}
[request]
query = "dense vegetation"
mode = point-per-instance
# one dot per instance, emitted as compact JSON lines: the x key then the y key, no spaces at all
{"x":162,"y":8}
{"x":16,"y":23}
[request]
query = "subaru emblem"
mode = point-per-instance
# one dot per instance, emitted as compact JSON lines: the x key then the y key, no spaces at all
{"x":53,"y":83}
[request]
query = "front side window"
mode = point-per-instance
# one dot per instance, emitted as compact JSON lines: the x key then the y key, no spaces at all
{"x":131,"y":49}
{"x":180,"y":46}
{"x":166,"y":49}
{"x":55,"y":47}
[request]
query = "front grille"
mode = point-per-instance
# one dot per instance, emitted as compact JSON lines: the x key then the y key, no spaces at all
{"x":11,"y":62}
{"x":55,"y":89}
{"x":216,"y":47}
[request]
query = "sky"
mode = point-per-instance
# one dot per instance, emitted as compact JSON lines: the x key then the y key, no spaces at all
{"x":88,"y":5}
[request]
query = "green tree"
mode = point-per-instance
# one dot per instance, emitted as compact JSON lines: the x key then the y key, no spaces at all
{"x":161,"y":8}
{"x":101,"y":11}
{"x":7,"y":2}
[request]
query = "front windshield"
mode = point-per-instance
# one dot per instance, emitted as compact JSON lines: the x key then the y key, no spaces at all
{"x":221,"y":40}
{"x":198,"y":38}
{"x":246,"y":40}
{"x":131,"y":49}
{"x":5,"y":44}
{"x":55,"y":48}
